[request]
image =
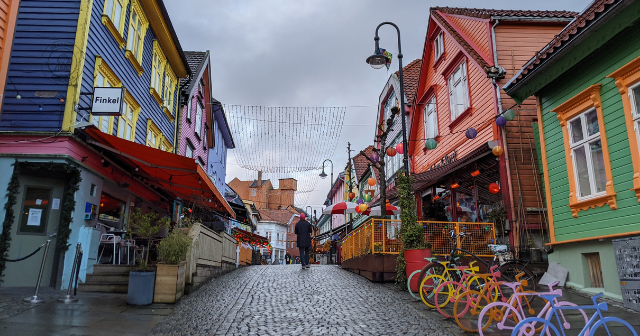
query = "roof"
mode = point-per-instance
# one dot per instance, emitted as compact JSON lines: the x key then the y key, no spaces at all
{"x":221,"y":118}
{"x":279,"y":216}
{"x":172,"y":32}
{"x":411,"y":76}
{"x":567,"y":36}
{"x":196,"y":61}
{"x":254,"y":184}
{"x":360,"y":163}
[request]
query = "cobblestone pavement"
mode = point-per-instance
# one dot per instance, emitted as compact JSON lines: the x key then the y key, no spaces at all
{"x":286,"y":300}
{"x":12,"y":300}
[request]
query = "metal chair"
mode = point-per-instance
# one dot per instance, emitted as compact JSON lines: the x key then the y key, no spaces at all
{"x":108,"y":239}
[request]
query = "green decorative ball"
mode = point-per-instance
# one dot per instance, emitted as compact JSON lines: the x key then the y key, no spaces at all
{"x":431,"y":144}
{"x":367,"y":198}
{"x":509,"y":115}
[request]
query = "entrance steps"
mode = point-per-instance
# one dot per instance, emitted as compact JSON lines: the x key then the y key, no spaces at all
{"x":108,"y":279}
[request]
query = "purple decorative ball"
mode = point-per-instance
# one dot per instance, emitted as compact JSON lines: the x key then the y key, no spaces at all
{"x":501,"y":121}
{"x":374,"y":157}
{"x":471,"y":133}
{"x":360,"y":201}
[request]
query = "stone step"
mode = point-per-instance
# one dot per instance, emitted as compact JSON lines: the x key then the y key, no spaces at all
{"x":103,"y":288}
{"x":107,"y":278}
{"x":113,"y":269}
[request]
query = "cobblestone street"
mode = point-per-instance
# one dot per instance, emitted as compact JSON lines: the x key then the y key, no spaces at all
{"x":285,"y":300}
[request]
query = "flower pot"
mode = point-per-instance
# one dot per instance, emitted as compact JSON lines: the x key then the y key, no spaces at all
{"x":169,"y":283}
{"x":141,"y":285}
{"x":415,"y":261}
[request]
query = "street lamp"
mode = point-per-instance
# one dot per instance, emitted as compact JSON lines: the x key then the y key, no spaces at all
{"x":377,"y":61}
{"x":324,"y":175}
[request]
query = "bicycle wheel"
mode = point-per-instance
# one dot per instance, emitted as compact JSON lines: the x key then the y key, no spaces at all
{"x":510,"y":269}
{"x":445,"y":296}
{"x":566,"y":323}
{"x":497,"y":316}
{"x":527,"y":327}
{"x":428,"y":287}
{"x":430,"y":269}
{"x":467,"y":308}
{"x":409,"y":284}
{"x":609,"y":324}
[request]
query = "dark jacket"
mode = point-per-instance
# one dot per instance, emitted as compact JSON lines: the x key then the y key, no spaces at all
{"x":303,"y":230}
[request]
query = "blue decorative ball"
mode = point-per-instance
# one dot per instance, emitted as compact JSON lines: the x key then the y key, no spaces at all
{"x":501,"y":121}
{"x":471,"y":133}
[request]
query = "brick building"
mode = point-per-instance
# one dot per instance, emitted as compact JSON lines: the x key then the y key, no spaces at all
{"x":264,"y":195}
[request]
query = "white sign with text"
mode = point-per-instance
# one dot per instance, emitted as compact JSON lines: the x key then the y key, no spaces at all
{"x":107,"y":101}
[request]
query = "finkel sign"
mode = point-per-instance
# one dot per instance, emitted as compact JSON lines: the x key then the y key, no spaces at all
{"x":107,"y":101}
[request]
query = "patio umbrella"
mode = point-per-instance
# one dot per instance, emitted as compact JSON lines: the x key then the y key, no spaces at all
{"x":375,"y":211}
{"x":340,"y":208}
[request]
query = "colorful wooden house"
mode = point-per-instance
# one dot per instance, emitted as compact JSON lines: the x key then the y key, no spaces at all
{"x":75,"y":175}
{"x":586,"y":82}
{"x":467,"y":54}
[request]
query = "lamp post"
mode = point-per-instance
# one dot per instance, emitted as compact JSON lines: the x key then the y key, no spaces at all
{"x":377,"y":61}
{"x":324,"y":175}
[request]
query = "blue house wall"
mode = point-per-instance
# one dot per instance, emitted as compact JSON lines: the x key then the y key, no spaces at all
{"x":218,"y":153}
{"x":40,"y":61}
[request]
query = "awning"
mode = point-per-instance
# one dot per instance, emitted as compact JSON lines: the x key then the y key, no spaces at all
{"x":429,"y":177}
{"x":177,"y":174}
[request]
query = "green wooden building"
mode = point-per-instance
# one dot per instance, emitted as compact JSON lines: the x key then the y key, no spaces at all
{"x":587,"y":82}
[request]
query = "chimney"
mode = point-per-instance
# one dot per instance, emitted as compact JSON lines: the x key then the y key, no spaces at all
{"x":259,"y":178}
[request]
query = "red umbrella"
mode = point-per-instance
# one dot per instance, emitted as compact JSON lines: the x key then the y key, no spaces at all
{"x":375,"y":211}
{"x":340,"y":208}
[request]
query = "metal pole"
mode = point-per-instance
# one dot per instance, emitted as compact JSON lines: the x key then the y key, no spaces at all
{"x":69,"y":297}
{"x":34,"y":298}
{"x":331,"y":216}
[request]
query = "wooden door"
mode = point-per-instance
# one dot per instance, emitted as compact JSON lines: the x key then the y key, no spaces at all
{"x":595,"y":269}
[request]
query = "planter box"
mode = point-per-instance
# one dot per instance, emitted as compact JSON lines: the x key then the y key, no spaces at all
{"x":376,"y":268}
{"x":169,"y":283}
{"x":140,"y":290}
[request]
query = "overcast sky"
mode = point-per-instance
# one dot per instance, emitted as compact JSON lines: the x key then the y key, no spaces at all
{"x":312,"y":53}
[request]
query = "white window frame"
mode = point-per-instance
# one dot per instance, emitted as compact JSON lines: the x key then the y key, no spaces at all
{"x":189,"y":151}
{"x":584,"y":143}
{"x":189,"y":109}
{"x":438,"y":46}
{"x":431,"y":128}
{"x":461,"y":84}
{"x":390,"y":103}
{"x":198,"y":125}
{"x":635,"y":114}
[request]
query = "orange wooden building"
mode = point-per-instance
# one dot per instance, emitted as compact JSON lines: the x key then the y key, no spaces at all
{"x":468,"y":53}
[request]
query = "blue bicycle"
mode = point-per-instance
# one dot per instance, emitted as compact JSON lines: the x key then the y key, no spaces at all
{"x":597,"y":324}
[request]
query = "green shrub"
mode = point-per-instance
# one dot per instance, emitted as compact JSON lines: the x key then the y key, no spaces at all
{"x":173,"y":248}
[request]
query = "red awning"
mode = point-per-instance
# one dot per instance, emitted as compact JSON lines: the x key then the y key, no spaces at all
{"x":177,"y":174}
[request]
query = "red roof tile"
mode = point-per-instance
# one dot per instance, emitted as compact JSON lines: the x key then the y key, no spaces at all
{"x":488,"y":13}
{"x":360,"y":163}
{"x":411,"y":74}
{"x":280,"y":216}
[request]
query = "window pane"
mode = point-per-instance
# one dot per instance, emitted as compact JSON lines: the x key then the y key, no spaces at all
{"x":460,"y":98}
{"x":130,"y":113}
{"x":576,"y":130}
{"x":116,"y":18}
{"x":121,"y":128}
{"x":128,"y":132}
{"x":33,"y":218}
{"x":597,"y":160}
{"x":580,"y":158}
{"x":100,"y":80}
{"x":105,"y":125}
{"x":592,"y":123}
{"x":636,"y":99}
{"x":109,"y":8}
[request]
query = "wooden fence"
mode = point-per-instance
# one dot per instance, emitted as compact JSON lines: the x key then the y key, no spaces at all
{"x":209,"y":248}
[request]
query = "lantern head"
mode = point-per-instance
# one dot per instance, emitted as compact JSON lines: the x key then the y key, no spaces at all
{"x":360,"y":201}
{"x":400,"y":148}
{"x":358,"y":209}
{"x":509,"y":115}
{"x":367,"y":198}
{"x":363,"y":207}
{"x":431,"y":143}
{"x":471,"y":133}
{"x":494,"y":188}
{"x":497,"y":150}
{"x":391,"y":151}
{"x":371,"y":181}
{"x":501,"y":121}
{"x":352,"y":195}
{"x":374,"y":157}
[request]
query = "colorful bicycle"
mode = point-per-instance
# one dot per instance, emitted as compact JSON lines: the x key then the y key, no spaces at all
{"x":470,"y":303}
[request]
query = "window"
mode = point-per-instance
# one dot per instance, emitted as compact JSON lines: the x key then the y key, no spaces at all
{"x":189,"y":150}
{"x":438,"y":46}
{"x":93,"y":190}
{"x":204,"y":138}
{"x":127,"y":121}
{"x":430,"y":119}
{"x":165,"y":145}
{"x":392,"y":164}
{"x":153,"y":134}
{"x":113,"y":18}
{"x":168,"y":94}
{"x":388,"y":105}
{"x":189,"y":109}
{"x":157,"y":72}
{"x":137,"y":30}
{"x":458,"y":91}
{"x":104,"y":77}
{"x":586,"y":151}
{"x":627,"y":78}
{"x":198,"y":125}
{"x":253,"y":192}
{"x":35,"y":208}
{"x":201,"y":161}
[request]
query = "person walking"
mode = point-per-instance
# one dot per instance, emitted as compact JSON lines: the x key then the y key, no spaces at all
{"x":303,"y":231}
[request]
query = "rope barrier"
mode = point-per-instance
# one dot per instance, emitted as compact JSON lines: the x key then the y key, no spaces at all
{"x":26,"y":257}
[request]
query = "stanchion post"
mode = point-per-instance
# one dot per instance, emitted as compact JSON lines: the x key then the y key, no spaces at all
{"x":69,"y":297}
{"x":35,"y":298}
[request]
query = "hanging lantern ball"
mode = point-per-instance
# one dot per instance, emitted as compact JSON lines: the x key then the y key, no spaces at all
{"x":501,"y":121}
{"x":497,"y":150}
{"x":367,"y":198}
{"x":352,"y":195}
{"x":471,"y":133}
{"x":391,"y":151}
{"x":494,"y":188}
{"x":358,"y":209}
{"x":363,"y":207}
{"x":431,"y":144}
{"x":360,"y":201}
{"x":371,"y":181}
{"x":400,"y":148}
{"x":374,"y":157}
{"x":509,"y":115}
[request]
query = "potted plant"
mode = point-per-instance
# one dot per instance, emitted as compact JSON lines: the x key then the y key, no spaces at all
{"x":414,"y":244}
{"x":141,"y":281}
{"x":170,"y":271}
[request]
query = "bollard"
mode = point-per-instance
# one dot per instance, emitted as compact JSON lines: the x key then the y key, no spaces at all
{"x":35,"y":298}
{"x":69,"y":297}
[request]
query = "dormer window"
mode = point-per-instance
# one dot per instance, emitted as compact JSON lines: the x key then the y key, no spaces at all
{"x":458,"y":91}
{"x":438,"y":46}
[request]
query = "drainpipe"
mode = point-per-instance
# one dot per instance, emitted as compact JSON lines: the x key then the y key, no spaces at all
{"x":503,"y":136}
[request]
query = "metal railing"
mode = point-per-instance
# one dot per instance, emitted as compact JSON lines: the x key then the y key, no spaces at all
{"x":382,"y":236}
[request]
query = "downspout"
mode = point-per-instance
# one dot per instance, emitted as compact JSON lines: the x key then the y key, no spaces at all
{"x":503,"y":136}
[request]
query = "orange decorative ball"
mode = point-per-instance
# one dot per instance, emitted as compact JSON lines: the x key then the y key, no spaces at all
{"x":494,"y":188}
{"x":358,"y":209}
{"x":352,"y":195}
{"x":363,"y":207}
{"x":497,"y":150}
{"x":391,"y":151}
{"x":371,"y":181}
